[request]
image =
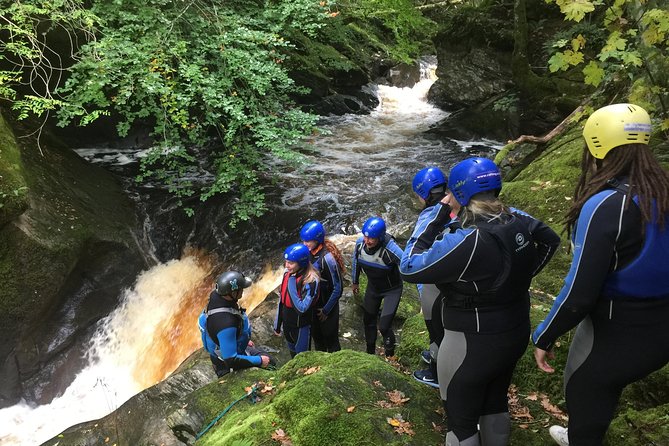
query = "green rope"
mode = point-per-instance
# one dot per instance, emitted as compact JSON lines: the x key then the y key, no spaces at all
{"x":251,"y":393}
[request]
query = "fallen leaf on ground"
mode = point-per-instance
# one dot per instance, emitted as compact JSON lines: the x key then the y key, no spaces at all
{"x":350,"y":409}
{"x":281,"y":436}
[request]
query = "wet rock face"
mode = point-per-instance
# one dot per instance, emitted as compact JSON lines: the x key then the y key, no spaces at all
{"x":62,"y":262}
{"x":469,"y":76}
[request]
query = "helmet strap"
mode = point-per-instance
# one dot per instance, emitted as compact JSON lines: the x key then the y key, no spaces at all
{"x":436,"y":194}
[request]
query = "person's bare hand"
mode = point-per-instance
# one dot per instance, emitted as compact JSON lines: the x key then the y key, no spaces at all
{"x":265,"y":361}
{"x":540,"y":357}
{"x":355,"y":288}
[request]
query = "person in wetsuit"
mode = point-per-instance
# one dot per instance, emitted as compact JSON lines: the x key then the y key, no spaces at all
{"x":617,"y":288}
{"x":483,"y":269}
{"x":299,"y":292}
{"x":430,"y":186}
{"x":378,"y":256}
{"x":329,"y":263}
{"x":225,"y":328}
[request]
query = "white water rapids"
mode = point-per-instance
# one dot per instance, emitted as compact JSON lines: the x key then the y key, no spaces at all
{"x":363,"y":167}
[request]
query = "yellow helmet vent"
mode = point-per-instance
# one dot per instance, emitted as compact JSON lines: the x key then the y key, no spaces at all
{"x":616,"y":125}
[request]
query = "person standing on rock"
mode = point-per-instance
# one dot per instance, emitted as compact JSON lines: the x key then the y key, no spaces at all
{"x":617,"y":289}
{"x":299,"y":292}
{"x":483,"y":270}
{"x":430,"y":186}
{"x":378,"y":256}
{"x":225,"y":328}
{"x":329,"y":263}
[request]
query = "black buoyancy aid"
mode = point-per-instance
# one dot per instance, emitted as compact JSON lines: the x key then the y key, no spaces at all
{"x":383,"y":277}
{"x":518,"y":259}
{"x":237,"y":312}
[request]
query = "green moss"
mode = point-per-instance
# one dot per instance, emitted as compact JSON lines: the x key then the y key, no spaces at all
{"x":415,"y":339}
{"x":311,"y":400}
{"x":646,"y":427}
{"x":544,"y":190}
{"x":13,"y":186}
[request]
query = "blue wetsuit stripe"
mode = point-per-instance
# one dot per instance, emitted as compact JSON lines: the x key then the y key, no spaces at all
{"x":336,"y":283}
{"x":590,"y":265}
{"x":227,"y":341}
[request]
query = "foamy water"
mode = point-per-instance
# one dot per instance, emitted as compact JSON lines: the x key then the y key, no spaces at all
{"x":362,"y":167}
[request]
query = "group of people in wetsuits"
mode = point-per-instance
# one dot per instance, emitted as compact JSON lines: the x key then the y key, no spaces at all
{"x":473,"y":258}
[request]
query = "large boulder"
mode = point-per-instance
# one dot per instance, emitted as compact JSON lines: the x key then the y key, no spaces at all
{"x":67,"y":245}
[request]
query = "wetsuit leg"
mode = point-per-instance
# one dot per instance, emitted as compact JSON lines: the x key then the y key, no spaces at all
{"x":430,"y":304}
{"x":219,"y":366}
{"x":435,"y":329}
{"x":326,"y":333}
{"x":474,"y":373}
{"x":298,"y":339}
{"x":371,"y":304}
{"x":391,"y":300}
{"x":604,"y":357}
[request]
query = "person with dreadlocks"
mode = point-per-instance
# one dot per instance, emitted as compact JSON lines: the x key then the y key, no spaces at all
{"x":617,"y":288}
{"x":329,"y":263}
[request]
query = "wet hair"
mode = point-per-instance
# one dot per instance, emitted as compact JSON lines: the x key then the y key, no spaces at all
{"x":336,"y":253}
{"x":647,"y":180}
{"x":484,"y":206}
{"x":310,"y":274}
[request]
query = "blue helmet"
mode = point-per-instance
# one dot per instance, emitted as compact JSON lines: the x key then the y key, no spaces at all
{"x":426,"y":180}
{"x":313,"y":230}
{"x":374,"y":227}
{"x":474,"y":175}
{"x":298,"y":253}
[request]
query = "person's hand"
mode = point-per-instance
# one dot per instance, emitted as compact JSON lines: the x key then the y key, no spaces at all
{"x":265,"y":361}
{"x":277,"y":332}
{"x":250,"y":344}
{"x":321,"y":314}
{"x":355,"y":288}
{"x":540,"y":357}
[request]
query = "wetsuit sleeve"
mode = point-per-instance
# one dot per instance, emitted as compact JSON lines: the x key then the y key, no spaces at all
{"x":335,"y":276}
{"x":433,"y":257}
{"x":547,"y":241}
{"x":596,"y":233}
{"x":227,"y":341}
{"x":393,"y":249}
{"x":308,"y":294}
{"x":278,"y":321}
{"x":355,"y":268}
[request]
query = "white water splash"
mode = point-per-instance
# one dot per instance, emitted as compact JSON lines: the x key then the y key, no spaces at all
{"x":117,"y":348}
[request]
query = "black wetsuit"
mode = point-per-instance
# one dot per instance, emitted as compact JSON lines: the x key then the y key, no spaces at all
{"x":295,"y":312}
{"x":617,"y":292}
{"x":326,"y":333}
{"x":484,"y":273}
{"x":384,"y":285}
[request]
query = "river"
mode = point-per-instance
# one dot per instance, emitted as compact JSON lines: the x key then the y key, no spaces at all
{"x":361,"y":167}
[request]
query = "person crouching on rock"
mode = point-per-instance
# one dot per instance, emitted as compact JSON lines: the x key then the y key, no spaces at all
{"x":299,"y":290}
{"x":225,"y":328}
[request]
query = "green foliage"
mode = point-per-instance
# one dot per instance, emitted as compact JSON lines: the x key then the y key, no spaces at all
{"x":635,"y":34}
{"x":507,"y":103}
{"x":405,"y":23}
{"x":192,"y":75}
{"x":25,"y":53}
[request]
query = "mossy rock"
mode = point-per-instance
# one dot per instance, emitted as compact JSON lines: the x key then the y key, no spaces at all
{"x":645,"y":427}
{"x":13,"y":186}
{"x":321,"y":399}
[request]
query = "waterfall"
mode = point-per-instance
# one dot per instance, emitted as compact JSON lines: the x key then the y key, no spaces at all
{"x":362,"y":166}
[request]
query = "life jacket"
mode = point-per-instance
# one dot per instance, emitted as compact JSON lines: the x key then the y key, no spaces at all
{"x":380,"y":275}
{"x":647,"y":275}
{"x":518,"y":259}
{"x":238,"y":313}
{"x":290,"y":315}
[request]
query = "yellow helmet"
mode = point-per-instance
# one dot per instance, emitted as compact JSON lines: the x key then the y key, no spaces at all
{"x":616,"y":125}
